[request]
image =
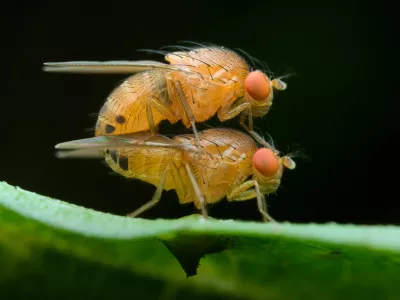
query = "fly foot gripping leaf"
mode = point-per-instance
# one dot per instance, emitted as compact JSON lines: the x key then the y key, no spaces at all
{"x":52,"y":248}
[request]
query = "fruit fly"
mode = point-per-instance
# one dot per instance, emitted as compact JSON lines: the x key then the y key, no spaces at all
{"x":229,"y":164}
{"x":198,"y":82}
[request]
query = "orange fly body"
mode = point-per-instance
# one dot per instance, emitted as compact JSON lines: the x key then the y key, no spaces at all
{"x":198,"y":82}
{"x":229,"y":164}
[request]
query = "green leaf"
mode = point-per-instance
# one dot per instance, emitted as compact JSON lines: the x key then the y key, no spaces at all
{"x":52,"y":249}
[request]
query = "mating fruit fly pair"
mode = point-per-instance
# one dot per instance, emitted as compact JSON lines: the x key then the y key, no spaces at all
{"x":203,"y":167}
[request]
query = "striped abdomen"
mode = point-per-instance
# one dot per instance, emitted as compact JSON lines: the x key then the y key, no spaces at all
{"x":125,"y":109}
{"x":149,"y":164}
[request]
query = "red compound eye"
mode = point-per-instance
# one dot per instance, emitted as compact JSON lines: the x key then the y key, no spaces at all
{"x":257,"y":86}
{"x":265,"y":162}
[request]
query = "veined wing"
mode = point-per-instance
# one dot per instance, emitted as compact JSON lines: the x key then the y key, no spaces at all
{"x":109,"y":67}
{"x":80,"y":153}
{"x":140,"y":139}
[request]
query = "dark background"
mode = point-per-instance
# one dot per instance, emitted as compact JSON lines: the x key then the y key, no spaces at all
{"x":334,"y":109}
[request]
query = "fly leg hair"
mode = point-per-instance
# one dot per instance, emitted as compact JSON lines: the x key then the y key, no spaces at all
{"x":227,"y":113}
{"x":186,"y":108}
{"x":173,"y":170}
{"x":244,"y":109}
{"x":170,"y":169}
{"x":154,"y":102}
{"x":250,"y":190}
{"x":199,"y":195}
{"x":250,"y":130}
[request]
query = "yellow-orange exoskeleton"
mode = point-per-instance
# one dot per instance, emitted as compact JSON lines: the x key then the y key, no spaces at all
{"x":198,"y":83}
{"x":230,"y":164}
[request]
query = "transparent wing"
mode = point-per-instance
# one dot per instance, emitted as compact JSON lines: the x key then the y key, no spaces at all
{"x":140,"y":139}
{"x":108,"y":67}
{"x":80,"y":153}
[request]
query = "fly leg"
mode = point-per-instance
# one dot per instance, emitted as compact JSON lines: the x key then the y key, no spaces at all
{"x":156,"y":196}
{"x":244,"y":109}
{"x":249,"y":129}
{"x":225,"y":114}
{"x":250,"y":190}
{"x":197,"y":191}
{"x":162,"y":108}
{"x":179,"y":186}
{"x":188,"y":111}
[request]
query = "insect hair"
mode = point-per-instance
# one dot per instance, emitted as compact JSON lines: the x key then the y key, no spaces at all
{"x":288,"y":74}
{"x":203,"y":45}
{"x":94,"y":116}
{"x":298,"y":153}
{"x":255,"y":63}
{"x":164,"y":53}
{"x":172,"y":48}
{"x":270,"y":140}
{"x":200,"y":45}
{"x":90,"y":130}
{"x":264,"y":67}
{"x":153,"y":51}
{"x":186,"y":49}
{"x":186,"y":52}
{"x":180,"y":48}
